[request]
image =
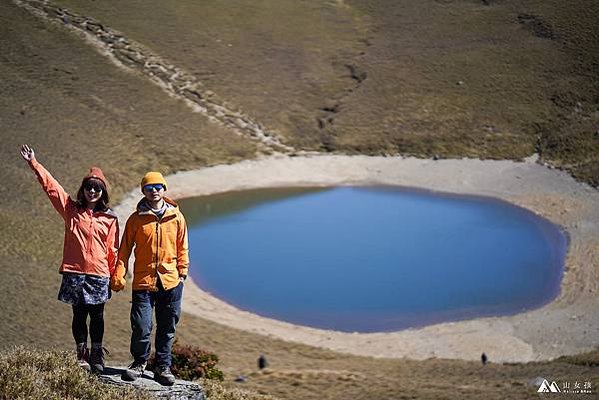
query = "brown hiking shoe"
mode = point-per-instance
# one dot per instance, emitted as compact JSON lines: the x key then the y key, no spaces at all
{"x":83,"y":355}
{"x":96,"y":359}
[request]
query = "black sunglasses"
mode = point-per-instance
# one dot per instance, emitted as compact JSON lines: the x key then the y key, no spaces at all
{"x":158,"y":187}
{"x":91,"y":185}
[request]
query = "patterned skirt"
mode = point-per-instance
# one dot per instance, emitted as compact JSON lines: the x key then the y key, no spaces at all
{"x":84,"y":289}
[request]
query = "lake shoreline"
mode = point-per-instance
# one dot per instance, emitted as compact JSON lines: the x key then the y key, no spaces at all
{"x":564,"y":326}
{"x":287,"y":264}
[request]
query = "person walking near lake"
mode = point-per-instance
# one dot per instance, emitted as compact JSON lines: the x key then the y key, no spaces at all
{"x":91,"y":237}
{"x":158,"y":231}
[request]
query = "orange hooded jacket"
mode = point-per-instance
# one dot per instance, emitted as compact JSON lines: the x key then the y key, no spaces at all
{"x":161,"y":249}
{"x":91,"y":238}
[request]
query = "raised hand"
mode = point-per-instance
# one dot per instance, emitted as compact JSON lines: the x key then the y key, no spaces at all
{"x":27,"y":153}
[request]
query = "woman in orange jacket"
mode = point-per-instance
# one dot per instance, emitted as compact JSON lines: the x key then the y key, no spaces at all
{"x":89,"y":256}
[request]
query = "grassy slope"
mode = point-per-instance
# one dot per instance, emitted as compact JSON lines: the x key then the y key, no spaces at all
{"x":569,"y":138}
{"x":33,"y":374}
{"x":383,"y":76}
{"x":449,"y":78}
{"x":277,"y":60}
{"x":75,"y":108}
{"x":303,"y":372}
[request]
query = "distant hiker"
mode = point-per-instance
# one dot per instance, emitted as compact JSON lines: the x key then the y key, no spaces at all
{"x":262,"y":362}
{"x":483,"y":358}
{"x":89,"y":256}
{"x":159,"y":233}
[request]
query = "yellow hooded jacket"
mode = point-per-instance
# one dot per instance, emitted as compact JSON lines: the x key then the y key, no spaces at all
{"x":161,"y":249}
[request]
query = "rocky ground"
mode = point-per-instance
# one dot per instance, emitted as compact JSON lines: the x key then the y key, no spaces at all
{"x":181,"y":390}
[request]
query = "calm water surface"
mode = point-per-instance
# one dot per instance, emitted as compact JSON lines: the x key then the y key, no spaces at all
{"x":370,"y":259}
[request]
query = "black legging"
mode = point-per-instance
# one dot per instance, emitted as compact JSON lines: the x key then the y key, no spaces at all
{"x":96,"y":322}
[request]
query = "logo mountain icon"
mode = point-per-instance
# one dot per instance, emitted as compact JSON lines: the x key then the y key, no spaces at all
{"x":546,"y":387}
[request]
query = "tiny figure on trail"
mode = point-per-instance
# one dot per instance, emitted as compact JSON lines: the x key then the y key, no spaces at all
{"x":262,"y":362}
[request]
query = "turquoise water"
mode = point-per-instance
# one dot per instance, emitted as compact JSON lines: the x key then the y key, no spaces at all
{"x":371,"y":259}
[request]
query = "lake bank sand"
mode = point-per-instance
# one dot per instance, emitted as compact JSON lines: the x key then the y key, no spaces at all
{"x":568,"y":325}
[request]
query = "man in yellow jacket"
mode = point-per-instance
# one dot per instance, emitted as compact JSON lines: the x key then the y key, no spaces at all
{"x":158,"y":231}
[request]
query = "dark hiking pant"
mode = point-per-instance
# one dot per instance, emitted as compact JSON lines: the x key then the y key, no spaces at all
{"x":167,"y":306}
{"x":96,"y":322}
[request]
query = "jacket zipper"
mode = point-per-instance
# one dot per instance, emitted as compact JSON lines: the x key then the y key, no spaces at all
{"x":91,"y":234}
{"x":157,"y":246}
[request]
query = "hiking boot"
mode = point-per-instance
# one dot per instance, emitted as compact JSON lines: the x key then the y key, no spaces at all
{"x":134,"y":371}
{"x":96,"y":359}
{"x":83,"y":355}
{"x":164,"y":376}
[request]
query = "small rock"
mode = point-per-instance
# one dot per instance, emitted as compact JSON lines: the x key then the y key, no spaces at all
{"x":536,"y":382}
{"x":241,"y":123}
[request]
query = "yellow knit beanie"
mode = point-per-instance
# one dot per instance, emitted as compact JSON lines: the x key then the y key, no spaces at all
{"x":152,"y":178}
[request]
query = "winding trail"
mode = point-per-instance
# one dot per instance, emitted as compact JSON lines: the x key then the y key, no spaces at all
{"x":175,"y":81}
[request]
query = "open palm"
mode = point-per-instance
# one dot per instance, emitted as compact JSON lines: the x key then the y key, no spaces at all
{"x":27,"y":153}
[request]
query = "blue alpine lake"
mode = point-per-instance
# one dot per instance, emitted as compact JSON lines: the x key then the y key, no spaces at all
{"x":372,"y":259}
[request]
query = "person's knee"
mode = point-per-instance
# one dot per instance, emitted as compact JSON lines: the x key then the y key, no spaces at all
{"x":79,"y":313}
{"x":141,"y":327}
{"x":141,"y":324}
{"x":168,"y":317}
{"x":96,"y":312}
{"x":141,"y":317}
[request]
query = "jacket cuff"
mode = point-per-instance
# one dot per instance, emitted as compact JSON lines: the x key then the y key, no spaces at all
{"x":33,"y":163}
{"x":182,"y":270}
{"x":117,"y":284}
{"x":120,"y":271}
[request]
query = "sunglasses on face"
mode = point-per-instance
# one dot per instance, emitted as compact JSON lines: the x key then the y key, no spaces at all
{"x":95,"y":186}
{"x":158,"y":187}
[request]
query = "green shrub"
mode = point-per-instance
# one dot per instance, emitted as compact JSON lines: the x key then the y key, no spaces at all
{"x":191,"y":362}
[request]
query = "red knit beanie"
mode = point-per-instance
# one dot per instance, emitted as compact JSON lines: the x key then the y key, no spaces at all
{"x":96,"y":173}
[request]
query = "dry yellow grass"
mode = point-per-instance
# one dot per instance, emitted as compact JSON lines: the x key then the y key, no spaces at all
{"x":489,"y":79}
{"x":32,"y":374}
{"x":76,"y":109}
